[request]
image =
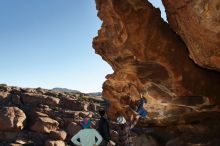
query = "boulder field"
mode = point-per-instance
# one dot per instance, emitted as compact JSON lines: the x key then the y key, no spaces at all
{"x":43,"y":117}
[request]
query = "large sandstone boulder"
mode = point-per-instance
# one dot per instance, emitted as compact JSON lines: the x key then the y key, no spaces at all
{"x":35,"y":99}
{"x":198,"y":24}
{"x":147,"y":56}
{"x":11,"y":119}
{"x":43,"y":124}
{"x":58,"y":135}
{"x":72,"y":104}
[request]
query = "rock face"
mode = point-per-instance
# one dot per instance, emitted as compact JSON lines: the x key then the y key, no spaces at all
{"x":33,"y":98}
{"x":44,"y":124}
{"x":59,"y":135}
{"x":143,"y":140}
{"x":11,"y":119}
{"x":198,"y":24}
{"x":148,"y":57}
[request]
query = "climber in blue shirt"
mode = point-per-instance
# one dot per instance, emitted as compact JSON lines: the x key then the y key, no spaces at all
{"x":140,"y":107}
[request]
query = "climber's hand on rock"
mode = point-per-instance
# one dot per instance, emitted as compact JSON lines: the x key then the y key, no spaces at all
{"x":137,"y":117}
{"x":132,"y":117}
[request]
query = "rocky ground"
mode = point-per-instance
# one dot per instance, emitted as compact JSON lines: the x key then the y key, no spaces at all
{"x":42,"y":117}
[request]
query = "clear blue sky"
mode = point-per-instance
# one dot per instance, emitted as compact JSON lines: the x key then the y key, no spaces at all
{"x":48,"y":43}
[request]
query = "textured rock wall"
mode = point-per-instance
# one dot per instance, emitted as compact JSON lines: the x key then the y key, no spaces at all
{"x":198,"y":23}
{"x":146,"y":55}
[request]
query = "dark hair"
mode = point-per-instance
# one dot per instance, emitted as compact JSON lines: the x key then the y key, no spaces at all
{"x":101,"y":112}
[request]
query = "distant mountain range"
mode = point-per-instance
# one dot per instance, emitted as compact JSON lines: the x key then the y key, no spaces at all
{"x":95,"y":94}
{"x":76,"y":91}
{"x":65,"y":90}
